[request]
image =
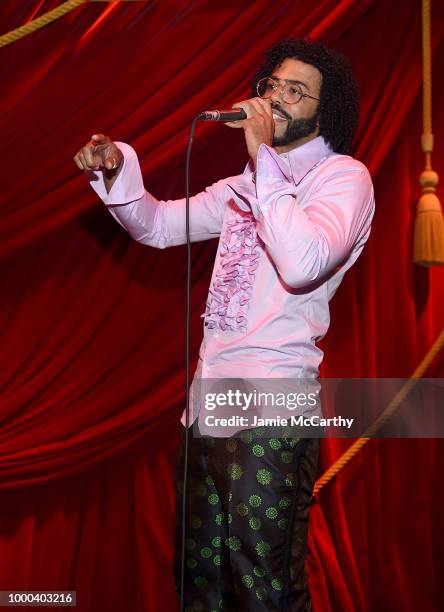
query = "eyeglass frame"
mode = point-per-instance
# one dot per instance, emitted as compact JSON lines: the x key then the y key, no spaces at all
{"x":287,"y":82}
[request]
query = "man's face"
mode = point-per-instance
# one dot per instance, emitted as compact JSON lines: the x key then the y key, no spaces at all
{"x":296,"y":123}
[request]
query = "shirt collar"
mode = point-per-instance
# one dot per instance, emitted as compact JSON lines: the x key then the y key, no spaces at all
{"x":295,"y":163}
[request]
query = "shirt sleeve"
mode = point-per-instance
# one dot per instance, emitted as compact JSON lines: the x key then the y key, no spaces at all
{"x":158,"y":223}
{"x":307,"y":243}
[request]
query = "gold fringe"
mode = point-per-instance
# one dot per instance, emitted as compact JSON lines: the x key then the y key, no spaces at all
{"x":429,"y":232}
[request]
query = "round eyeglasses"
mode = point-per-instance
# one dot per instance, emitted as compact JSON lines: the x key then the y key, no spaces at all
{"x":291,"y":92}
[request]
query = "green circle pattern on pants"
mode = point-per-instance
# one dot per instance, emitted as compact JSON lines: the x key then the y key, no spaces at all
{"x":248,"y":503}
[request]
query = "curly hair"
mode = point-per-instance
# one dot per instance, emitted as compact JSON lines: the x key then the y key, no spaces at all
{"x":339,"y":98}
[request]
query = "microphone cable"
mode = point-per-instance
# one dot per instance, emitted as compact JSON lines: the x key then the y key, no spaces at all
{"x":187,"y":365}
{"x":234,"y":115}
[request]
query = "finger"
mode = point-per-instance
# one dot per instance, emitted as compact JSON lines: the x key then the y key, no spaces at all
{"x":244,"y":105}
{"x":115,"y":155}
{"x":266,"y":105}
{"x":251,"y":107}
{"x":83,"y":160}
{"x":88,"y":155}
{"x":112,"y":162}
{"x":97,"y":151}
{"x":100,"y":139}
{"x":235,"y":124}
{"x":78,"y":163}
{"x":259,"y":108}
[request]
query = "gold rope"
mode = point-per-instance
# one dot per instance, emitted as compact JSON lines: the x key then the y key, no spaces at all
{"x":427,"y":74}
{"x":40,"y":22}
{"x":392,"y":406}
{"x":428,"y":245}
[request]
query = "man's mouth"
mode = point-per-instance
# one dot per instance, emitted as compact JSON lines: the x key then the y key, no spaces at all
{"x":278,"y":115}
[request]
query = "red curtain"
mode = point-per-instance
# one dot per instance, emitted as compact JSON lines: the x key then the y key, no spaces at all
{"x":92,"y":323}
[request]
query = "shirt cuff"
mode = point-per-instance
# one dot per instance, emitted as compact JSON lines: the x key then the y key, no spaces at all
{"x":273,"y":179}
{"x":243,"y":192}
{"x":271,"y":165}
{"x":128,"y":185}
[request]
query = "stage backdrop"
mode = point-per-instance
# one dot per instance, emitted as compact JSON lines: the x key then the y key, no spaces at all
{"x":92,"y":324}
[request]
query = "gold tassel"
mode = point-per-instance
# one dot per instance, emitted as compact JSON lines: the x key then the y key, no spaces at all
{"x":428,"y":247}
{"x":429,"y":224}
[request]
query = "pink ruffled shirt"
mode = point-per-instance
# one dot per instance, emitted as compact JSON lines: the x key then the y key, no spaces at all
{"x":287,"y":236}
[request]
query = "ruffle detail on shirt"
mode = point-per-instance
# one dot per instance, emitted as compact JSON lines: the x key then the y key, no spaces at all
{"x":230,"y":293}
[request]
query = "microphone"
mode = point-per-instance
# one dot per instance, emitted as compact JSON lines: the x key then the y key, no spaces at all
{"x":235,"y":114}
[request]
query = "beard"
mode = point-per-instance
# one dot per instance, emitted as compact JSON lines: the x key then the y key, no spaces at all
{"x":296,"y":128}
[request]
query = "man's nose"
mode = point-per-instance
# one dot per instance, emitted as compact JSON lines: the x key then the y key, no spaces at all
{"x":278,"y":92}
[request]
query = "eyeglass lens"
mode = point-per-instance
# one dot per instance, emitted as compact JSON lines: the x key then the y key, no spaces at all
{"x":267,"y":86}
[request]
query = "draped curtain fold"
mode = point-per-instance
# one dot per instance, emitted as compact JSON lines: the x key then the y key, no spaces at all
{"x":92,"y":323}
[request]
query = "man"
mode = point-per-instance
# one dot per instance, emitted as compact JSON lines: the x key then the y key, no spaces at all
{"x":290,"y":226}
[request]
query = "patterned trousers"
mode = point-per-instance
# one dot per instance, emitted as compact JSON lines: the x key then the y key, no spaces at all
{"x":247,"y":522}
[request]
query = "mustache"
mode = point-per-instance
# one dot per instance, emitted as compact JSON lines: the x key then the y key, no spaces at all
{"x":276,"y":107}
